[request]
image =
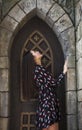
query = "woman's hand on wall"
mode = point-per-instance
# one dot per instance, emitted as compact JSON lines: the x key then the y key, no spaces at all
{"x":65,"y":66}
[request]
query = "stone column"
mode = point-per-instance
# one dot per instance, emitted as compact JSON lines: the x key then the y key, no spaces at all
{"x":4,"y":94}
{"x":68,"y":41}
{"x":79,"y":60}
{"x":4,"y":84}
{"x":71,"y":95}
{"x":71,"y":80}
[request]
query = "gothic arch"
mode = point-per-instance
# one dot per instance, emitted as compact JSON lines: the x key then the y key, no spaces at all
{"x":53,"y":15}
{"x":60,"y":23}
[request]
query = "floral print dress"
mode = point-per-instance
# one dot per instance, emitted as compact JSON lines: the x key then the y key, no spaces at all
{"x":48,"y":108}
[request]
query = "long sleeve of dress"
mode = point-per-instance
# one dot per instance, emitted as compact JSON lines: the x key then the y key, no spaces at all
{"x":43,"y":77}
{"x":55,"y":81}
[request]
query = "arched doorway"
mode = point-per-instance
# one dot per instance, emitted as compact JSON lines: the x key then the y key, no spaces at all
{"x":23,"y":97}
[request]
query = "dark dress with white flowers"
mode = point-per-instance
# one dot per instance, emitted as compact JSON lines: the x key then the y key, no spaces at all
{"x":48,"y":108}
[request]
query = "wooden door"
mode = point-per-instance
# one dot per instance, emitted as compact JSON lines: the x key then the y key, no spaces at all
{"x":36,"y":34}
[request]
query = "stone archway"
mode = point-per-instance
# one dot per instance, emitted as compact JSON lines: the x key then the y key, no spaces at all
{"x":62,"y":26}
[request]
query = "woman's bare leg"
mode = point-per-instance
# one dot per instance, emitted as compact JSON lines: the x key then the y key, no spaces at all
{"x":55,"y":126}
{"x":45,"y":129}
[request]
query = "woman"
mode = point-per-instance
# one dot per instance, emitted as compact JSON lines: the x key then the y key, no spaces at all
{"x":47,"y":114}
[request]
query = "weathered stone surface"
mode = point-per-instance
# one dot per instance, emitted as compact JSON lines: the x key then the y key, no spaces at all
{"x":49,"y":21}
{"x":80,"y":95}
{"x":79,"y":49}
{"x":68,"y":6}
{"x":76,"y":1}
{"x":63,"y":23}
{"x":69,"y":41}
{"x":79,"y":31}
{"x":55,"y":12}
{"x":71,"y":61}
{"x":3,"y":79}
{"x":78,"y":12}
{"x":71,"y":80}
{"x":79,"y":74}
{"x":4,"y":104}
{"x":58,"y":34}
{"x":5,"y":37}
{"x":17,"y":13}
{"x":9,"y":23}
{"x":7,"y":5}
{"x":43,"y":7}
{"x":71,"y":102}
{"x":4,"y":123}
{"x":71,"y":122}
{"x":41,"y":14}
{"x":80,"y":115}
{"x":4,"y":62}
{"x":27,"y":5}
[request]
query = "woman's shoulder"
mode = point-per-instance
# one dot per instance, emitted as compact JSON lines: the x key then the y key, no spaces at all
{"x":40,"y":67}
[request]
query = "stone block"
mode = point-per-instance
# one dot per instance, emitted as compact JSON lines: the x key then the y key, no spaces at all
{"x":79,"y":49}
{"x":55,"y":12}
{"x":4,"y":62}
{"x":17,"y":13}
{"x":3,"y":123}
{"x":43,"y":6}
{"x":79,"y":74}
{"x":80,"y":95}
{"x":4,"y":98}
{"x":9,"y":23}
{"x":79,"y":31}
{"x":71,"y":122}
{"x":80,"y":115}
{"x":68,"y":6}
{"x":58,"y":34}
{"x":63,"y":23}
{"x":41,"y":14}
{"x":5,"y":37}
{"x":8,"y":5}
{"x":71,"y":13}
{"x":71,"y":61}
{"x":27,"y":5}
{"x":4,"y":80}
{"x":78,"y":12}
{"x":26,"y":18}
{"x":49,"y":21}
{"x":71,"y":80}
{"x":71,"y":102}
{"x":69,"y":41}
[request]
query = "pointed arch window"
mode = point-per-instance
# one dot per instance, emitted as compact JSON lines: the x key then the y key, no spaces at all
{"x":35,"y":41}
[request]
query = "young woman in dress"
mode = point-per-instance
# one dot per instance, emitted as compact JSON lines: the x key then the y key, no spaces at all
{"x":47,"y":114}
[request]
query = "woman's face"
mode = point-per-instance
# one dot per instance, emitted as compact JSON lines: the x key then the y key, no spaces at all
{"x":36,"y":54}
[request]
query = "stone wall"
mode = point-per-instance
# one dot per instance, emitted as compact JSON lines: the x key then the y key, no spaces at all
{"x":67,"y":5}
{"x":4,"y":86}
{"x":79,"y":60}
{"x":7,"y":5}
{"x":61,"y":24}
